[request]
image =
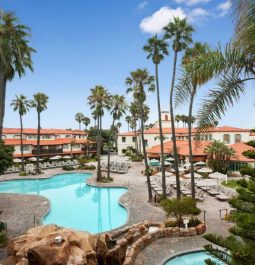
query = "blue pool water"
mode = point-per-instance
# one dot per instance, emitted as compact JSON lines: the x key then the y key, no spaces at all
{"x":195,"y":258}
{"x":73,"y":203}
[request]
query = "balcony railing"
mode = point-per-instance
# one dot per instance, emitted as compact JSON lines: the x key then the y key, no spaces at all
{"x":48,"y":151}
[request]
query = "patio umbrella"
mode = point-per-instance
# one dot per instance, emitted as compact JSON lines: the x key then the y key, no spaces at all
{"x":17,"y":160}
{"x":167,"y":163}
{"x":197,"y":176}
{"x":199,"y":163}
{"x":169,"y":159}
{"x":33,"y":159}
{"x":206,"y":183}
{"x":181,"y":169}
{"x":67,"y":157}
{"x":154,"y":161}
{"x":57,"y":157}
{"x":205,"y":170}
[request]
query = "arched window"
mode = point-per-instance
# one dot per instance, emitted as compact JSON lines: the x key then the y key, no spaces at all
{"x":226,"y":138}
{"x":166,"y":117}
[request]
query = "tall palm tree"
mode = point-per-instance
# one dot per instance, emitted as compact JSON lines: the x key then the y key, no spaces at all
{"x":22,"y":105}
{"x":136,"y":83}
{"x":128,"y":121}
{"x":39,"y":102}
{"x":99,"y":100}
{"x":79,"y":117}
{"x":15,"y":54}
{"x":118,"y":109}
{"x":186,"y":89}
{"x":156,"y":50}
{"x":233,"y":67}
{"x":86,"y":122}
{"x":134,"y":110}
{"x":180,"y":32}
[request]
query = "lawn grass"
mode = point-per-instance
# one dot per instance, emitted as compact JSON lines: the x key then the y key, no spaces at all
{"x":231,"y":184}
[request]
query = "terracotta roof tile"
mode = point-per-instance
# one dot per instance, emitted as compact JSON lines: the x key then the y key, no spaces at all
{"x":43,"y":131}
{"x":239,"y":149}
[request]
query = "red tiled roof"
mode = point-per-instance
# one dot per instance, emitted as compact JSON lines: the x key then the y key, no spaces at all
{"x":47,"y":142}
{"x":127,"y":134}
{"x":182,"y":146}
{"x":43,"y":131}
{"x":239,"y":149}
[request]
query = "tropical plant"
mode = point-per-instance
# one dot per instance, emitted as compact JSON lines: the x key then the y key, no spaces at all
{"x":39,"y":102}
{"x":136,"y":83}
{"x":251,"y":143}
{"x":186,"y":89}
{"x":179,"y":31}
{"x":156,"y":50}
{"x":233,"y":67}
{"x":180,"y":207}
{"x":99,"y":100}
{"x":79,"y":117}
{"x":238,"y":248}
{"x":22,"y":105}
{"x":15,"y":54}
{"x":249,"y":153}
{"x":118,"y":109}
{"x":219,"y":155}
{"x":128,"y":121}
{"x":86,"y":122}
{"x":6,"y":158}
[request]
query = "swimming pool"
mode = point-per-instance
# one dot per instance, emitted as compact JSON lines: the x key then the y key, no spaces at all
{"x":194,"y":258}
{"x":75,"y":204}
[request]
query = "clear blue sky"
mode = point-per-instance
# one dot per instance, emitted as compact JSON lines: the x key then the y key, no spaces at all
{"x":83,"y":43}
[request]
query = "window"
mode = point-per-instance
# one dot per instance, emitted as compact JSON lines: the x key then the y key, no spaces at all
{"x":146,"y":142}
{"x":202,"y":137}
{"x":238,"y":138}
{"x":226,"y":138}
{"x":76,"y":146}
{"x":3,"y":136}
{"x":31,"y":137}
{"x":65,"y":146}
{"x":68,"y":136}
{"x":166,"y":117}
{"x":17,"y":136}
{"x":45,"y":137}
{"x":133,"y":139}
{"x":123,"y":139}
{"x":210,"y":137}
{"x":123,"y":151}
{"x":206,"y":137}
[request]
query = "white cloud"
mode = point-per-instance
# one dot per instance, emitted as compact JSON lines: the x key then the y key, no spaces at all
{"x":197,"y":14}
{"x":192,"y":2}
{"x":155,"y":23}
{"x":224,"y":7}
{"x":143,"y":5}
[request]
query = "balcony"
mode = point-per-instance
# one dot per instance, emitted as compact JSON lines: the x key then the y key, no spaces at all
{"x":48,"y":151}
{"x":89,"y":149}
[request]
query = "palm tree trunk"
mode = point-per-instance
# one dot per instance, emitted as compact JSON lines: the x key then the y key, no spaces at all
{"x":79,"y":126}
{"x":38,"y":142}
{"x":136,"y":141}
{"x":193,"y":191}
{"x":128,"y":126}
{"x":140,"y":140}
{"x":99,"y":176}
{"x":109,"y":151}
{"x":160,"y":135}
{"x":145,"y":156}
{"x":3,"y":82}
{"x":176,"y":159}
{"x":21,"y":143}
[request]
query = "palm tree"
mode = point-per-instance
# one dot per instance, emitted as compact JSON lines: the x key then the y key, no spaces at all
{"x":177,"y":119}
{"x":187,"y":89}
{"x":118,"y":108}
{"x":15,"y":55}
{"x":134,"y":110}
{"x":136,"y":83}
{"x":79,"y":117}
{"x":99,"y":100}
{"x":128,"y":121}
{"x":22,"y":105}
{"x":39,"y":102}
{"x":86,"y":122}
{"x":232,"y":66}
{"x":179,"y":31}
{"x":156,"y":50}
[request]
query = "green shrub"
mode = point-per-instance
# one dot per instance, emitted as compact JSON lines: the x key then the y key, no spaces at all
{"x":68,"y":168}
{"x":251,"y":143}
{"x":22,"y":174}
{"x":193,"y":222}
{"x":180,"y":207}
{"x":6,"y":159}
{"x":137,"y":158}
{"x":3,"y":238}
{"x":171,"y":222}
{"x":2,"y":226}
{"x":249,"y":154}
{"x":247,"y":170}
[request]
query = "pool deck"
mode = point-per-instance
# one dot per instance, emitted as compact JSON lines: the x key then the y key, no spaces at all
{"x":20,"y":212}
